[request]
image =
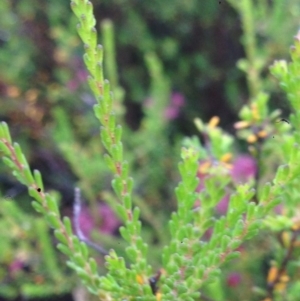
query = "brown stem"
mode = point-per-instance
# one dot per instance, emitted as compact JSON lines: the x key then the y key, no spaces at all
{"x":271,"y":286}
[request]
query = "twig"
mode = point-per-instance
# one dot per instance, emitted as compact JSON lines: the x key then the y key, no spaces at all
{"x":205,"y":298}
{"x":81,"y":236}
{"x":283,"y":265}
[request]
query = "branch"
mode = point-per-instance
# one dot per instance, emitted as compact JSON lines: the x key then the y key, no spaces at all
{"x":80,"y":235}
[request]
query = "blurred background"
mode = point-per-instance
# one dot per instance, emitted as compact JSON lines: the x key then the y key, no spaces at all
{"x":184,"y":59}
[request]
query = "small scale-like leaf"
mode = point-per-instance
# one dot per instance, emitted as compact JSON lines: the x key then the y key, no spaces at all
{"x":93,"y":265}
{"x":79,"y":259}
{"x":8,"y":162}
{"x":38,"y":207}
{"x":99,"y":53}
{"x":38,"y":179}
{"x":68,"y":225}
{"x":136,"y":214}
{"x":121,"y":211}
{"x":35,"y":194}
{"x":129,"y":185}
{"x":124,"y":233}
{"x":4,"y":148}
{"x":127,"y":201}
{"x":110,"y":163}
{"x":53,"y":220}
{"x":125,"y":170}
{"x":28,"y":176}
{"x":61,"y":237}
{"x":64,"y":249}
{"x":118,"y":133}
{"x":5,"y":132}
{"x":52,"y":204}
{"x":132,"y":253}
{"x":84,"y":250}
{"x":117,"y":184}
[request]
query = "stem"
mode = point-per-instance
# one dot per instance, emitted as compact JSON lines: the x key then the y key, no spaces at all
{"x":246,"y":11}
{"x":81,"y":236}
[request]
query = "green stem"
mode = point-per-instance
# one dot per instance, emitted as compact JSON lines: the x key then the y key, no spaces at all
{"x":249,"y":41}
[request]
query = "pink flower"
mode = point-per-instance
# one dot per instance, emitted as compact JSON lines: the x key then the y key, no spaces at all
{"x":244,"y":168}
{"x":222,"y":206}
{"x":173,"y":109}
{"x":79,"y":77}
{"x":109,"y":221}
{"x":16,"y":266}
{"x":148,"y":102}
{"x":233,"y":279}
{"x":171,"y":113}
{"x":72,"y":85}
{"x":177,"y":99}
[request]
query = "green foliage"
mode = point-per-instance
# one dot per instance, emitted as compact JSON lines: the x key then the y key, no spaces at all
{"x":201,"y":239}
{"x":47,"y":277}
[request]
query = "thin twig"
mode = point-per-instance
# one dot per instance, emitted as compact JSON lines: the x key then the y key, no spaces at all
{"x":287,"y":258}
{"x":81,"y":236}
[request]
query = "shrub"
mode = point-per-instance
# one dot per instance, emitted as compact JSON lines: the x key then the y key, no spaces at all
{"x":223,"y":199}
